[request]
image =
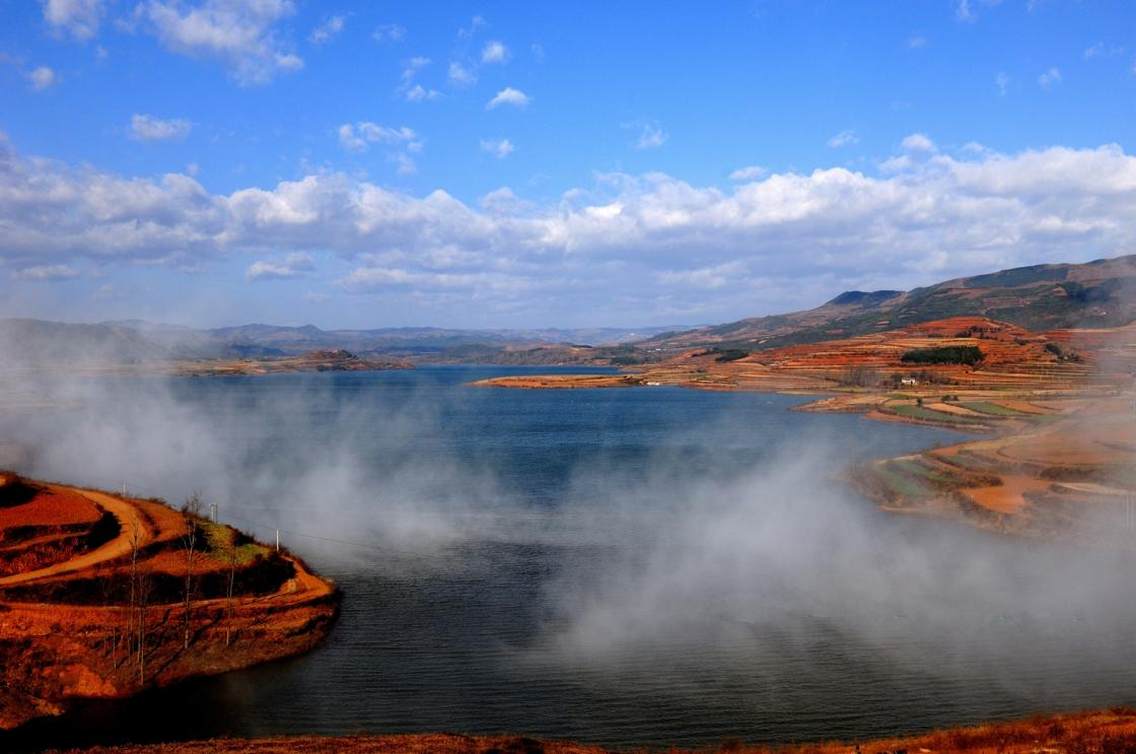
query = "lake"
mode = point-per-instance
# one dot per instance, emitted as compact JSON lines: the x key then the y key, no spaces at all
{"x":626,"y":566}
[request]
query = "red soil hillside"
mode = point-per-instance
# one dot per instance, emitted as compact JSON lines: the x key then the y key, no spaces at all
{"x":93,"y":598}
{"x":1012,"y":359}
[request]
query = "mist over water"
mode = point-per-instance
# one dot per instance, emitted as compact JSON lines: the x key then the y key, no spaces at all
{"x":622,"y":566}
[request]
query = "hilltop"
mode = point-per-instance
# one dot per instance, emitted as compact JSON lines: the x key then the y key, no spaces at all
{"x":102,"y":596}
{"x":1040,"y":297}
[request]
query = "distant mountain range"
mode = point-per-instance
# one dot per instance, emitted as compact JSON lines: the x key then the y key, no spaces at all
{"x":34,"y":341}
{"x":1040,"y":297}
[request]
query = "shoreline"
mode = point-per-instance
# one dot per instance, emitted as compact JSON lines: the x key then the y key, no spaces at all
{"x":1106,"y":731}
{"x":68,"y":633}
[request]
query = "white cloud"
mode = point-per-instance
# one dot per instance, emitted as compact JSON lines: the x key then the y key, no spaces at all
{"x":537,"y":50}
{"x":46,"y":273}
{"x":798,"y":236}
{"x":148,"y":128}
{"x":494,"y":52}
{"x":1049,"y":79}
{"x":499,"y":148}
{"x":419,"y":93}
{"x":238,"y":33}
{"x":843,"y":139}
{"x":917,"y":143}
{"x":328,"y":30}
{"x":389,"y":33}
{"x":411,"y":91}
{"x":476,"y":23}
{"x":412,"y":66}
{"x":706,"y":278}
{"x":916,"y":42}
{"x":963,"y":11}
{"x":508,"y":96}
{"x":356,"y":137}
{"x":404,"y":163}
{"x":42,"y":78}
{"x":1102,"y":50}
{"x":651,"y":135}
{"x":77,"y":18}
{"x":748,"y":173}
{"x":459,"y":75}
{"x":1002,"y":81}
{"x":293,"y":265}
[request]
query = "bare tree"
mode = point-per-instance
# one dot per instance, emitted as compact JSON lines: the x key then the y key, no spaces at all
{"x":192,"y":513}
{"x":231,"y":555}
{"x":143,"y":601}
{"x":135,"y":544}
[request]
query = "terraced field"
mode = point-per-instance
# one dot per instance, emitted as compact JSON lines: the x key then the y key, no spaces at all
{"x":102,"y":596}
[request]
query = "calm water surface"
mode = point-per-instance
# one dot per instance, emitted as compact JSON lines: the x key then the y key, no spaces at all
{"x":556,"y":563}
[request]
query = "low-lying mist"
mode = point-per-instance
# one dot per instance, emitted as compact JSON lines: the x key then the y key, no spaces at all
{"x":699,"y":536}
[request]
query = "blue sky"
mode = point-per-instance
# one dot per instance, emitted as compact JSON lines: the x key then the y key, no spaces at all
{"x":516,"y":164}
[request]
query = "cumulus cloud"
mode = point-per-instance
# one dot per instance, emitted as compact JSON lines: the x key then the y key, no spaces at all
{"x":241,"y":34}
{"x":917,"y":143}
{"x":460,"y":75}
{"x":42,"y":78}
{"x":499,"y":148}
{"x":508,"y":96}
{"x":476,"y":24}
{"x":748,"y":173}
{"x":1049,"y":79}
{"x":149,"y":128}
{"x":494,"y":52}
{"x":356,"y":137}
{"x":79,"y":19}
{"x":389,"y":33}
{"x":411,"y":91}
{"x":46,"y":273}
{"x":1002,"y":81}
{"x":843,"y":139}
{"x":412,"y":66}
{"x":328,"y":30}
{"x":419,"y":93}
{"x":786,"y":239}
{"x":404,"y":163}
{"x":293,"y":265}
{"x":651,"y":135}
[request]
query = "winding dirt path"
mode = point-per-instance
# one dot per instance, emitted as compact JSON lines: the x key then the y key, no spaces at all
{"x":130,"y":520}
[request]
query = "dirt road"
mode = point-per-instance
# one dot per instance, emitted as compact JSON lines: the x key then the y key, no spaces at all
{"x":130,"y":521}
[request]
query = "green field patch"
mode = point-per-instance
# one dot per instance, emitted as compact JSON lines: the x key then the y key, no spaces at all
{"x":925,"y":414}
{"x":916,"y":478}
{"x":224,"y":542}
{"x":993,"y":409}
{"x":970,"y":461}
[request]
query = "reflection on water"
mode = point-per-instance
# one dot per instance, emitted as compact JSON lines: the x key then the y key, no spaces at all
{"x":614,"y":566}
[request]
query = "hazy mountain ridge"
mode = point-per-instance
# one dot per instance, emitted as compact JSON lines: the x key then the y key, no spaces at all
{"x":39,"y":342}
{"x":1101,"y":293}
{"x":1043,"y":297}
